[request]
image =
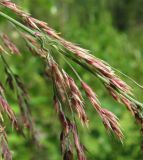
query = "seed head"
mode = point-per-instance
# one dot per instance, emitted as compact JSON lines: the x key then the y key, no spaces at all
{"x":7,"y":109}
{"x":11,"y":46}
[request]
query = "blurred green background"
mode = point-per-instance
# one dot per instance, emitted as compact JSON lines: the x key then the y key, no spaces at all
{"x":112,"y":31}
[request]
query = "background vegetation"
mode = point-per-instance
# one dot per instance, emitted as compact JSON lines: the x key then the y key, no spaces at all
{"x":112,"y":31}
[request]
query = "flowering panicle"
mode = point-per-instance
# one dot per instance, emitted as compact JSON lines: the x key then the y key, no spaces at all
{"x":5,"y":150}
{"x":68,"y":155}
{"x":99,"y":65}
{"x":135,"y":108}
{"x":68,"y":128}
{"x":64,"y":122}
{"x":15,"y":84}
{"x":58,"y":80}
{"x":34,"y":47}
{"x":77,"y":101}
{"x":6,"y":154}
{"x":132,"y":105}
{"x":10,"y":45}
{"x":113,"y":93}
{"x":42,"y":41}
{"x":102,"y":68}
{"x":7,"y":109}
{"x":128,"y":104}
{"x":110,"y":121}
{"x":79,"y":147}
{"x":23,"y":101}
{"x":64,"y":83}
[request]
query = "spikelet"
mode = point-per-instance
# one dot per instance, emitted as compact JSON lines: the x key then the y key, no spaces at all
{"x":8,"y":110}
{"x":110,"y":121}
{"x":10,"y":45}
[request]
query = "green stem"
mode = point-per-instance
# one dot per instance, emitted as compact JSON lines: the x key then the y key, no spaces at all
{"x":17,"y":23}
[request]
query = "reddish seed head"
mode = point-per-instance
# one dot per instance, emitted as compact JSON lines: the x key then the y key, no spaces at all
{"x":8,"y":111}
{"x":118,"y":83}
{"x":108,"y":118}
{"x":41,"y":24}
{"x":68,"y":155}
{"x":113,"y":93}
{"x":77,"y":100}
{"x":91,"y":95}
{"x":5,"y":150}
{"x":12,"y":47}
{"x":128,"y":104}
{"x":29,"y":21}
{"x":66,"y":79}
{"x":58,"y":80}
{"x":11,"y":5}
{"x":111,"y":122}
{"x":79,"y":148}
{"x":88,"y":90}
{"x":74,"y":87}
{"x":64,"y":122}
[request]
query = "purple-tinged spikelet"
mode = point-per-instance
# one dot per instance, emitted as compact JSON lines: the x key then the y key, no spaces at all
{"x":10,"y":45}
{"x":7,"y":109}
{"x":110,"y":121}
